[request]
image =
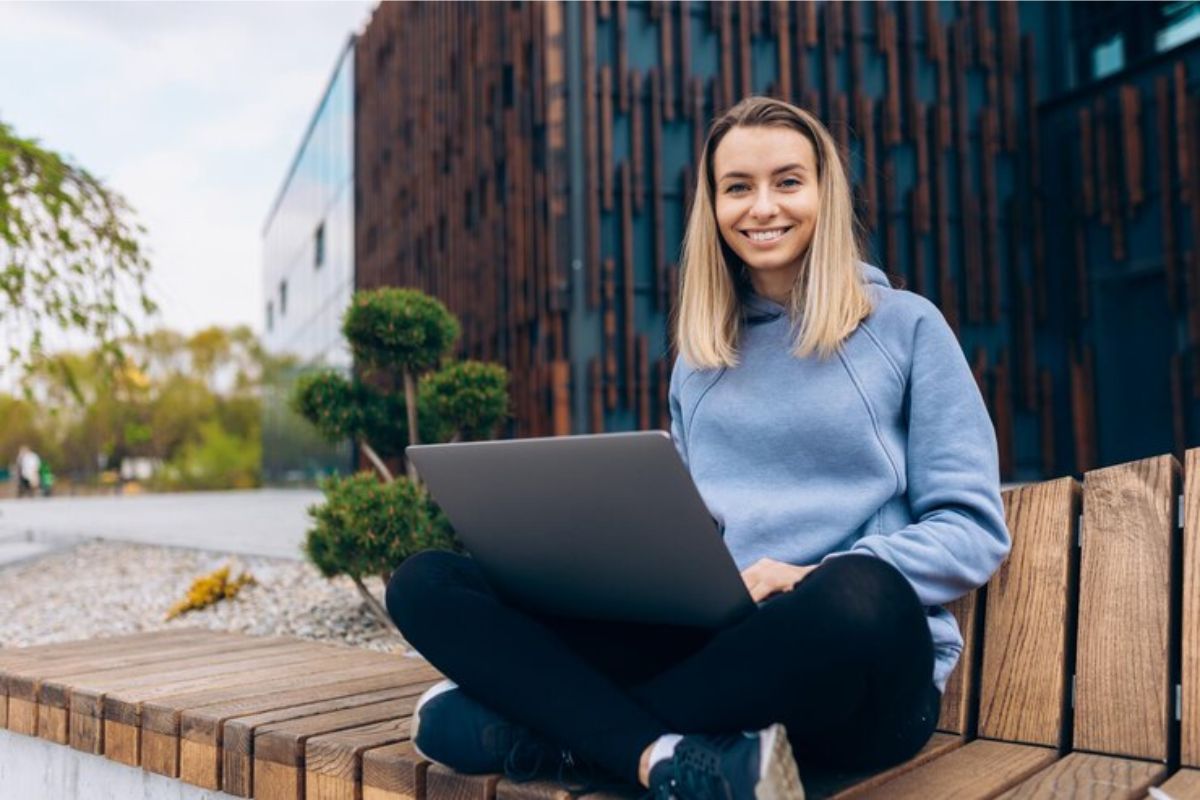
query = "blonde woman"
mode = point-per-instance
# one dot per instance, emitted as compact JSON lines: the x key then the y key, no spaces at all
{"x":835,"y":432}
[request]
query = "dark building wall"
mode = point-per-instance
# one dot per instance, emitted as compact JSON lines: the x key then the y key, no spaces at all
{"x":981,"y":160}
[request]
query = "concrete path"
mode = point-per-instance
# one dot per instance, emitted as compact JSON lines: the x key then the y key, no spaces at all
{"x":268,"y":522}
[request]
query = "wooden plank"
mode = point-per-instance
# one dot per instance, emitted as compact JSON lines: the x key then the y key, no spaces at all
{"x":30,"y":683}
{"x":956,"y":707}
{"x":1183,"y":785}
{"x":333,"y":762}
{"x":1190,"y":725}
{"x":1092,"y":776}
{"x":75,"y":655}
{"x":629,"y":323}
{"x":1122,"y":676}
{"x":846,"y":786}
{"x":443,"y":782}
{"x":193,"y":721}
{"x":637,"y":141}
{"x":200,"y":729}
{"x":394,"y":772}
{"x":277,"y":749}
{"x":979,"y":769}
{"x":121,"y":704}
{"x":1024,"y":693}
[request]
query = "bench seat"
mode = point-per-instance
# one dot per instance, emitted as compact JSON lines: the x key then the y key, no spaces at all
{"x":1080,"y":677}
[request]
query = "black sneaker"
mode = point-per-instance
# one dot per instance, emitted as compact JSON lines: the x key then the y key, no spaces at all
{"x":743,"y":766}
{"x":452,"y":729}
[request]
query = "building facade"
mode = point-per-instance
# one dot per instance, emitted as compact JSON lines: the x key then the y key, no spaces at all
{"x":308,"y":279}
{"x":1030,"y":168}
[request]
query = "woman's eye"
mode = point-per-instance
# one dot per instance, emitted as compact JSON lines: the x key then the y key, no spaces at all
{"x":735,"y":186}
{"x":794,"y":181}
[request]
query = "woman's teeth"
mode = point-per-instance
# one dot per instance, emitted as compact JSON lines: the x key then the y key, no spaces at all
{"x":766,"y":236}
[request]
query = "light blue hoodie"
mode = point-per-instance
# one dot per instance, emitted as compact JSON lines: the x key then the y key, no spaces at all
{"x":886,"y":448}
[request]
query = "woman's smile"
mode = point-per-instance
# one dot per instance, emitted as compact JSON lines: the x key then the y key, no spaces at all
{"x":766,"y":237}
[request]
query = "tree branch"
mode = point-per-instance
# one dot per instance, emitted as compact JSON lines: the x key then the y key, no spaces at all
{"x":376,"y":461}
{"x":374,"y":606}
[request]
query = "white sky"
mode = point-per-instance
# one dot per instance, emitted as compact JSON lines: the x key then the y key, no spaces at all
{"x":192,"y":110}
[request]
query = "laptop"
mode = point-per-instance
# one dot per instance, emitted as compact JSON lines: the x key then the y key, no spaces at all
{"x":603,"y":526}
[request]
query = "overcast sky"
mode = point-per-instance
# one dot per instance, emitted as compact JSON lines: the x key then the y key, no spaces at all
{"x":192,"y":110}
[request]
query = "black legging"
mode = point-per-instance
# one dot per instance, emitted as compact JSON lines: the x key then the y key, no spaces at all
{"x":844,"y":660}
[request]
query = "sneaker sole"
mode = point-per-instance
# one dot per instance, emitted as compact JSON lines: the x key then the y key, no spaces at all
{"x":779,"y":777}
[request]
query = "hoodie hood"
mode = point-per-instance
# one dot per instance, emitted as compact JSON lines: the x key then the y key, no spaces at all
{"x":757,"y":309}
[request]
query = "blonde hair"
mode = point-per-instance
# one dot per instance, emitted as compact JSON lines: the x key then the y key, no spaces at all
{"x":828,"y":297}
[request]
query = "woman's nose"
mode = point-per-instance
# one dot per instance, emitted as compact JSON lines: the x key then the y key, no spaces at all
{"x":764,"y":205}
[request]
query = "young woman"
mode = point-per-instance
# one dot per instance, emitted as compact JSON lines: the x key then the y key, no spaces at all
{"x":836,"y":433}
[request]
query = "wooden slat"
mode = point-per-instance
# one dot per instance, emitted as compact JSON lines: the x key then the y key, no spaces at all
{"x":443,"y":782}
{"x":1092,"y":776}
{"x":278,"y":748}
{"x":333,"y":762}
{"x":1183,"y":785}
{"x":121,"y":703}
{"x":394,"y":772}
{"x":25,"y":683}
{"x":956,"y":711}
{"x":1122,"y":692}
{"x":196,"y":729}
{"x":979,"y":769}
{"x":1023,"y":685}
{"x":1190,"y":726}
{"x":845,"y":786}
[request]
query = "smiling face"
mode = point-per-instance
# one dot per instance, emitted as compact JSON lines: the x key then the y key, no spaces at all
{"x":767,"y":199}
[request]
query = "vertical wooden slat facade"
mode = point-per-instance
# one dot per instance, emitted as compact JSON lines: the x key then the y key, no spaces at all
{"x":1005,"y":207}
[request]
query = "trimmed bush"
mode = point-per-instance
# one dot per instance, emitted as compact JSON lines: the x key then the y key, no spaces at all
{"x":466,"y":400}
{"x":394,"y":329}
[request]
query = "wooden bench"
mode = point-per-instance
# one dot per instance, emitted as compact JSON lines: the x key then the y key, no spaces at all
{"x":1080,"y":678}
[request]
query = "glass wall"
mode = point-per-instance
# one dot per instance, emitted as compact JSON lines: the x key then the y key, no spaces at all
{"x":308,"y":278}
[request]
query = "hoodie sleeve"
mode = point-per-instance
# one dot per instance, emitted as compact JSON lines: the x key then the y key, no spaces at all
{"x":677,"y":435}
{"x":959,"y":537}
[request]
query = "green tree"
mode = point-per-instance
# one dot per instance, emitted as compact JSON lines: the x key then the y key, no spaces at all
{"x":363,"y":530}
{"x":70,"y":254}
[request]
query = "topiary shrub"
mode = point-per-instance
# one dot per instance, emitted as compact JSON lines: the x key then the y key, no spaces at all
{"x":368,"y":527}
{"x":465,"y":400}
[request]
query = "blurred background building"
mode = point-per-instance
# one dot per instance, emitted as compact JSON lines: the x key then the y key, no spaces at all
{"x":1031,"y":168}
{"x":308,"y":278}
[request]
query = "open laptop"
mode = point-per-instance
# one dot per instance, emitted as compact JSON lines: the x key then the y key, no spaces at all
{"x":605,"y":526}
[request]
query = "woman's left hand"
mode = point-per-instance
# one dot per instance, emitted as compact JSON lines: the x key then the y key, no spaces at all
{"x":767,"y":576}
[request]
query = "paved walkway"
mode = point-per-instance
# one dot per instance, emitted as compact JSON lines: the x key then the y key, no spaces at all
{"x":268,"y":522}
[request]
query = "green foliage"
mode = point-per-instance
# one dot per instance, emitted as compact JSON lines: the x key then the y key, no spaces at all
{"x":466,"y":399}
{"x":394,"y":329}
{"x":340,"y":408}
{"x":70,"y":254}
{"x":366,"y":527}
{"x":216,"y":460}
{"x":191,"y":402}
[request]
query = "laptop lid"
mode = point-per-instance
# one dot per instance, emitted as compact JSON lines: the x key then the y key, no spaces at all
{"x":600,"y":526}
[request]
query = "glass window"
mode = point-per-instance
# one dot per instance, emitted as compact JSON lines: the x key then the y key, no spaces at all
{"x":283,"y":298}
{"x":319,"y":246}
{"x":1181,"y":23}
{"x":270,"y":316}
{"x":1108,"y":57}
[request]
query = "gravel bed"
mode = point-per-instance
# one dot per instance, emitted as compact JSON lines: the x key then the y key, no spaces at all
{"x":100,"y":588}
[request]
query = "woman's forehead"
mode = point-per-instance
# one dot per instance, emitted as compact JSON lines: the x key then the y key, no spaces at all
{"x":762,"y":150}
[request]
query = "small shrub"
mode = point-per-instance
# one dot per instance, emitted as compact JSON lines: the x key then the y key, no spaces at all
{"x":467,"y":399}
{"x":399,"y":328}
{"x":366,"y":527}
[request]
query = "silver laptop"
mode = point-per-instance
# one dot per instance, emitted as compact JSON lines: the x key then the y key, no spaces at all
{"x":606,"y":526}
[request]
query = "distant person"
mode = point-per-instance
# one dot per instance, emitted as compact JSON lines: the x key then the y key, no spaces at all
{"x":46,"y":478}
{"x":28,"y":472}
